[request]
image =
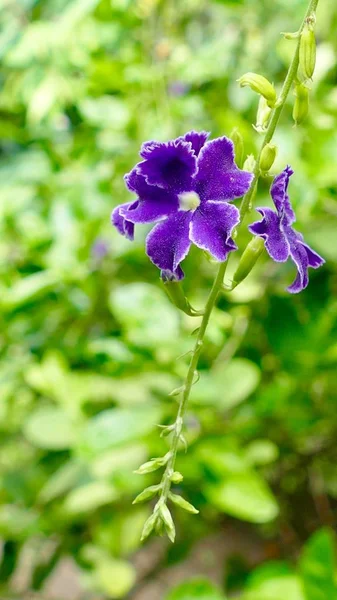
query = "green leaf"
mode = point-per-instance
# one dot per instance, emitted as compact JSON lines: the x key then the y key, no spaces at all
{"x":261,"y":452}
{"x":117,"y":426}
{"x":244,"y":495}
{"x":66,"y":477}
{"x":196,"y":589}
{"x":145,"y":313}
{"x":317,"y":566}
{"x":50,"y":428}
{"x":273,"y":581}
{"x":89,"y":497}
{"x":225,"y":387}
{"x":115,"y":577}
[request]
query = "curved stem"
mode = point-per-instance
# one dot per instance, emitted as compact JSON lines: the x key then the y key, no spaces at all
{"x":217,"y":285}
{"x":275,"y":116}
{"x":166,"y":482}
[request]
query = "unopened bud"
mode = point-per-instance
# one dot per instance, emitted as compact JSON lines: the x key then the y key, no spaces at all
{"x":168,"y":521}
{"x":176,"y":477}
{"x":249,"y":164}
{"x":147,"y":494}
{"x":153,"y":465}
{"x":238,"y":146}
{"x":307,"y":56}
{"x":260,"y":85}
{"x":248,"y":260}
{"x":301,"y":104}
{"x":149,"y":526}
{"x":179,"y":501}
{"x":176,"y":295}
{"x":268,"y":156}
{"x":262,"y":116}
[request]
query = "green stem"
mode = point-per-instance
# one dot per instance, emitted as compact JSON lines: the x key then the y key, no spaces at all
{"x":217,"y":285}
{"x":216,"y":288}
{"x":275,"y":116}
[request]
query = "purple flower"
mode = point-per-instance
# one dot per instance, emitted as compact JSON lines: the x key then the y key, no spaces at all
{"x":281,"y":240}
{"x":186,"y":184}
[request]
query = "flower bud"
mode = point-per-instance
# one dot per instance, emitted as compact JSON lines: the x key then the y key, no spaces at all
{"x":249,"y":164}
{"x":166,"y":518}
{"x":175,"y":293}
{"x":301,"y":105}
{"x":307,"y":55}
{"x":147,"y":494}
{"x":176,"y":477}
{"x":268,"y":156}
{"x":238,"y":146}
{"x":261,"y":85}
{"x":149,"y":526}
{"x":153,"y":465}
{"x":262,"y":116}
{"x":248,"y":260}
{"x":179,"y":501}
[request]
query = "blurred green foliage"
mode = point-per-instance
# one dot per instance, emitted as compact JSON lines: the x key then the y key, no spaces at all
{"x":89,"y":340}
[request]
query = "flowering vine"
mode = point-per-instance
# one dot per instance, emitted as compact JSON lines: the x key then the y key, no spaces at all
{"x":187,"y":187}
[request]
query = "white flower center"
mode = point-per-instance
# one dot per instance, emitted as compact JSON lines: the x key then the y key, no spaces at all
{"x":189,"y":201}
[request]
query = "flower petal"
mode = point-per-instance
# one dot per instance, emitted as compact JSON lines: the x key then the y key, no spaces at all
{"x":269,"y":229}
{"x":211,"y":228}
{"x":314,"y":259}
{"x":278,"y":192}
{"x":303,"y":256}
{"x":300,"y":257}
{"x":170,"y":165}
{"x":197,"y":139}
{"x":154,"y":202}
{"x":218,"y":177}
{"x":168,"y":243}
{"x":120,"y":221}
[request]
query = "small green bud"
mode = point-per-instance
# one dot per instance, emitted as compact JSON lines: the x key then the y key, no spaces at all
{"x":261,"y":85}
{"x":179,"y":501}
{"x":249,"y":164}
{"x":175,"y":293}
{"x":149,"y":526}
{"x":307,"y":56}
{"x":147,"y":494}
{"x":290,"y":36}
{"x":153,"y":464}
{"x":301,"y":104}
{"x":248,"y":260}
{"x":238,"y":146}
{"x":268,"y":156}
{"x":168,"y":521}
{"x":262,"y":116}
{"x":177,"y":391}
{"x":176,"y":477}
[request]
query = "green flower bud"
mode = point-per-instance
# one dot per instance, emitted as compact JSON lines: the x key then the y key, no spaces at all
{"x":268,"y":156}
{"x":176,"y":477}
{"x":249,"y":164}
{"x":262,"y":116}
{"x":177,"y":297}
{"x":153,"y":465}
{"x":261,"y":85}
{"x":166,"y":518}
{"x":238,"y":146}
{"x":307,"y":56}
{"x":301,"y":104}
{"x":149,"y":526}
{"x":147,"y":494}
{"x":248,"y":260}
{"x":179,"y":501}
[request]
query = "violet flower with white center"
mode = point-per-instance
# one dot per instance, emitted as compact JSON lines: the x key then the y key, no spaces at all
{"x":188,"y":182}
{"x":281,"y":240}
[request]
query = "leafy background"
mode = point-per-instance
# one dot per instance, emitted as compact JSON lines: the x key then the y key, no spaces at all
{"x":89,"y":340}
